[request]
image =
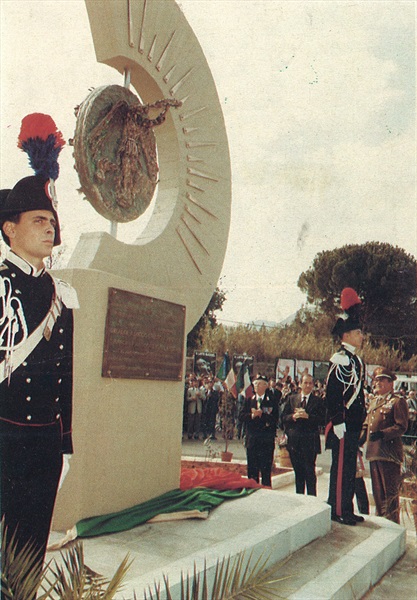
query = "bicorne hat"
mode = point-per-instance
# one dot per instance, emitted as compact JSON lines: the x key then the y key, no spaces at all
{"x":30,"y":193}
{"x":351,"y":317}
{"x":42,"y":142}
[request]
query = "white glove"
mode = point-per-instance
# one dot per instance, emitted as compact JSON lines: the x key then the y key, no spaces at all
{"x":65,"y":469}
{"x":339,"y":430}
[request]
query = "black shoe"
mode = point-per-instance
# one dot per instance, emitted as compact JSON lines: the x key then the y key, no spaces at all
{"x":357,"y":518}
{"x":346,"y":520}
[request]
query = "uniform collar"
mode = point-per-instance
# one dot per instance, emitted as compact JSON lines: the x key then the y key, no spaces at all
{"x":24,"y":265}
{"x":383,"y":399}
{"x":349,"y":347}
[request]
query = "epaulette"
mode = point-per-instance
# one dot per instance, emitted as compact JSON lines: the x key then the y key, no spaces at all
{"x":340,"y":358}
{"x":3,"y":267}
{"x":66,"y":293}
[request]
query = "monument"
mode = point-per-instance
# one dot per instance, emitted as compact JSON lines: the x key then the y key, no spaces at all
{"x":139,"y":301}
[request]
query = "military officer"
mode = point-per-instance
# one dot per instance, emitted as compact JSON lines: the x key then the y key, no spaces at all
{"x":386,"y":422}
{"x":36,"y":346}
{"x":345,"y":405}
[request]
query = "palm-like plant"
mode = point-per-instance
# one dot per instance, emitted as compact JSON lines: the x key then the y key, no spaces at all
{"x":70,"y":579}
{"x":20,"y":573}
{"x":235,"y":578}
{"x":73,"y":580}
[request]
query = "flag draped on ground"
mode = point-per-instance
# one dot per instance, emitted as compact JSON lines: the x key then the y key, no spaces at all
{"x":201,"y":490}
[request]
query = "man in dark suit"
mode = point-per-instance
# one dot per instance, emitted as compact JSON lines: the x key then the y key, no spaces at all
{"x":260,"y":415}
{"x":302,"y":416}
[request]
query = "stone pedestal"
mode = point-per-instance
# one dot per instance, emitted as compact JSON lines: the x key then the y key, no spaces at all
{"x":126,"y":432}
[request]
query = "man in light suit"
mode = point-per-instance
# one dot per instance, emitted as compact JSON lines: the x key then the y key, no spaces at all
{"x":302,"y":416}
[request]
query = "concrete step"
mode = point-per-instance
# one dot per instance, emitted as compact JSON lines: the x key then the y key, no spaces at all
{"x":327,"y":560}
{"x":344,"y":564}
{"x":265,"y":524}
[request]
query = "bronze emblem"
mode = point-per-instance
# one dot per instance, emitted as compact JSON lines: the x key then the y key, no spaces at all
{"x":115,"y":151}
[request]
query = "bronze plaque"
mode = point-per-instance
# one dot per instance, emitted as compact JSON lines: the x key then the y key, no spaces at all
{"x":144,"y":337}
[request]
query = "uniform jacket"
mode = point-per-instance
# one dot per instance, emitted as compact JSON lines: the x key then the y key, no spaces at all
{"x":304,"y":431}
{"x":345,"y":382}
{"x":263,"y":427}
{"x":390,"y":415}
{"x":39,"y":391}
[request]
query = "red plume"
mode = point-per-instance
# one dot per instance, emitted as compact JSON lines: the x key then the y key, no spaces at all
{"x":38,"y":125}
{"x":42,"y":142}
{"x":349,"y":298}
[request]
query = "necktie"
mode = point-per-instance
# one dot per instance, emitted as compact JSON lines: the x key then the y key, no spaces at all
{"x":304,"y":402}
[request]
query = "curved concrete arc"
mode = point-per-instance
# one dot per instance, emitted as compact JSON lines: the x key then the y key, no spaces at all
{"x":181,"y":251}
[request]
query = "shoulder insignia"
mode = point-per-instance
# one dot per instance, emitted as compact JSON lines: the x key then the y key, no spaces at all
{"x":340,"y":358}
{"x":66,"y":293}
{"x":3,"y":267}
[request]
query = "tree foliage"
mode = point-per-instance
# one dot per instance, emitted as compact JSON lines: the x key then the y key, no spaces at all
{"x":300,"y":340}
{"x":384,"y":277}
{"x":207,"y":319}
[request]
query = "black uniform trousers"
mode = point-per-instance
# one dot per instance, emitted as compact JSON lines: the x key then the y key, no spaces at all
{"x":31,"y":464}
{"x":260,"y":454}
{"x":343,"y":472}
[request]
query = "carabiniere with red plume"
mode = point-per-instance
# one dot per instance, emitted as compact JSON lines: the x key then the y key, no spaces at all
{"x":36,"y":344}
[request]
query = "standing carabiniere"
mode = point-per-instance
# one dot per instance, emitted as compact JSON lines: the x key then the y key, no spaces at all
{"x":345,"y":407}
{"x":36,"y":353}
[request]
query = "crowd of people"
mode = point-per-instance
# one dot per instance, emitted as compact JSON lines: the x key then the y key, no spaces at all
{"x":349,"y":414}
{"x":198,"y":390}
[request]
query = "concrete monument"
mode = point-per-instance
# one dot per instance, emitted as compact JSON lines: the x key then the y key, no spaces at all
{"x":139,"y":301}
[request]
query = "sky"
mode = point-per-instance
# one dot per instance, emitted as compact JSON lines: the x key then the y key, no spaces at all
{"x":319,"y":106}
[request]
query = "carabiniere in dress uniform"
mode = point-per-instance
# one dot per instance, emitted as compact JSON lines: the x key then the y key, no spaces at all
{"x":36,"y":349}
